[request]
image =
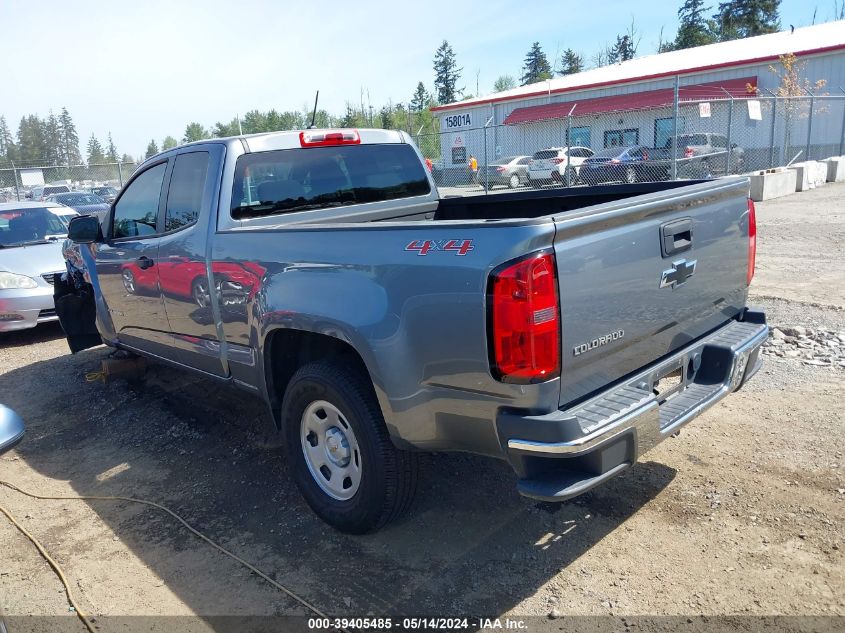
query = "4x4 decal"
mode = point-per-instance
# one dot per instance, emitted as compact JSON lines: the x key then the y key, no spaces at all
{"x":424,"y":247}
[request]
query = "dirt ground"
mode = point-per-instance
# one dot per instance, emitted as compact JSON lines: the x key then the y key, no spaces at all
{"x":744,"y":513}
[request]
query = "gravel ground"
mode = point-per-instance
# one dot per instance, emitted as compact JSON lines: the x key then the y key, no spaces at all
{"x":741,"y":514}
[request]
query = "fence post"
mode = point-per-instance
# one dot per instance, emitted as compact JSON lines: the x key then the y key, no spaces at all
{"x":810,"y":124}
{"x":842,"y":135}
{"x":728,"y":134}
{"x":120,"y":174}
{"x":772,"y":139}
{"x":15,"y":174}
{"x":486,"y":171}
{"x":567,"y":174}
{"x":675,"y":130}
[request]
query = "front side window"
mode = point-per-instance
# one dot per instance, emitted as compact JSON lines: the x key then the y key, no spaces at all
{"x":186,"y":187}
{"x":289,"y":180}
{"x":136,"y":212}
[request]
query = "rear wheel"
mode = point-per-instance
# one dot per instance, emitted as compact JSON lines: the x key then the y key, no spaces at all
{"x":342,"y":459}
{"x":513,"y":182}
{"x":630,"y":175}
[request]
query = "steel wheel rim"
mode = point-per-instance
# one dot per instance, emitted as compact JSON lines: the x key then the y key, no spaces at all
{"x":331,"y":450}
{"x":514,"y":181}
{"x":630,"y":176}
{"x":129,"y":281}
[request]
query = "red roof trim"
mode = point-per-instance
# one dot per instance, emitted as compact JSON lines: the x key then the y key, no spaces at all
{"x":698,"y":69}
{"x":647,"y":99}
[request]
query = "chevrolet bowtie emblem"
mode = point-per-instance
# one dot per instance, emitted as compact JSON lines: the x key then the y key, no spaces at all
{"x":677,"y":275}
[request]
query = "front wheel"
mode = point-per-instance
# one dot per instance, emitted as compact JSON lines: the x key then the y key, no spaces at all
{"x":342,"y":459}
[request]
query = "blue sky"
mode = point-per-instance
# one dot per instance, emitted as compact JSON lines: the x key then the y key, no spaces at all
{"x":143,"y":70}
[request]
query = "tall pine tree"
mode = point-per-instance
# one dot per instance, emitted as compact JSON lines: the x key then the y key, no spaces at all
{"x":570,"y":63}
{"x":70,"y":154}
{"x":31,"y":146}
{"x":694,"y":29}
{"x":152,"y":149}
{"x":419,"y":101}
{"x":53,"y":141}
{"x":111,"y":151}
{"x":7,"y":143}
{"x":95,"y":151}
{"x":622,"y":51}
{"x":536,"y":66}
{"x":446,"y":74}
{"x":738,"y":19}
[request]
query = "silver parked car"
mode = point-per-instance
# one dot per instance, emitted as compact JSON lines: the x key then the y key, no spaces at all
{"x":511,"y":171}
{"x":31,"y":236}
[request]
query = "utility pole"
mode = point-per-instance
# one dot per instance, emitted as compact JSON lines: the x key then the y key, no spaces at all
{"x":675,"y":130}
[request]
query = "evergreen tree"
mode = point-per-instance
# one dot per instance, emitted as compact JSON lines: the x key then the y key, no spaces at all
{"x":570,"y":63}
{"x":152,"y":149}
{"x":505,"y":82}
{"x":126,"y":158}
{"x":168,"y":143}
{"x":195,"y":132}
{"x":738,"y":19}
{"x":31,"y":147}
{"x":95,"y":151}
{"x":446,"y":74}
{"x":7,"y":143}
{"x":53,"y":141}
{"x":536,"y":66}
{"x":419,"y":101}
{"x":70,"y":139}
{"x":111,"y":151}
{"x":694,"y":29}
{"x":622,"y":51}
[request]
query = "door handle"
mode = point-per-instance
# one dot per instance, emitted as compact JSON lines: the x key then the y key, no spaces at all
{"x":145,"y":262}
{"x":676,"y":237}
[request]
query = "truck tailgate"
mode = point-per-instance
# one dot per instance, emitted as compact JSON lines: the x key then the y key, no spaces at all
{"x":644,"y":276}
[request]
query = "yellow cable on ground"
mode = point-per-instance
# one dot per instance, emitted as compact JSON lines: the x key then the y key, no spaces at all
{"x":56,"y":567}
{"x":191,"y":529}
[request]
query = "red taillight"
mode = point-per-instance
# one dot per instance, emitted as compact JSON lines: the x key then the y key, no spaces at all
{"x":500,"y":169}
{"x":525,"y":320}
{"x":558,"y":161}
{"x":324,"y":138}
{"x":615,"y":160}
{"x":752,"y":240}
{"x":688,"y":152}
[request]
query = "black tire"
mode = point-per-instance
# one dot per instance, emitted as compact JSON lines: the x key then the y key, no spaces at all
{"x":388,"y":476}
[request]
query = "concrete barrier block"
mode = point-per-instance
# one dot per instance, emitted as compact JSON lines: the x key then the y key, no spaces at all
{"x":802,"y":176}
{"x":810,"y":174}
{"x":835,"y":169}
{"x":768,"y":185}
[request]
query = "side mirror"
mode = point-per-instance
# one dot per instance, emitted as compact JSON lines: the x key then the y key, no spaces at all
{"x":85,"y":229}
{"x":11,"y":428}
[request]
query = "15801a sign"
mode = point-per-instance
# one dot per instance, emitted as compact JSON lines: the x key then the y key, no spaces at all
{"x":457,"y":120}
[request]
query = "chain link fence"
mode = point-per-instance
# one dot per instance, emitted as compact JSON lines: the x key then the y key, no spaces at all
{"x":684,"y":139}
{"x":28,"y":181}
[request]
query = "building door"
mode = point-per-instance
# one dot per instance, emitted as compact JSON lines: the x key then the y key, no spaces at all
{"x":662,"y":131}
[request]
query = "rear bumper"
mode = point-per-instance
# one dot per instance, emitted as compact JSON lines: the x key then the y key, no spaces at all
{"x":563,"y":454}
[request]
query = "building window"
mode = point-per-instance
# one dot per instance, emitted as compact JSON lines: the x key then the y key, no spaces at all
{"x":662,"y":131}
{"x":579,"y":136}
{"x":621,"y":138}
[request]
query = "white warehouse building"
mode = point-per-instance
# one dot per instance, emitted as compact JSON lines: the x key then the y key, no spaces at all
{"x":725,"y":88}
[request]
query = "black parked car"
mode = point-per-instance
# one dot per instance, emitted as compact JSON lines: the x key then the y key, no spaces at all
{"x":626,"y":164}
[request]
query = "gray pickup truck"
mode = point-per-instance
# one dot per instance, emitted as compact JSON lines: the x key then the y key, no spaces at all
{"x":566,"y":332}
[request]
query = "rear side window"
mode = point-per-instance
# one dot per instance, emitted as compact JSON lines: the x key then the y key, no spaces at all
{"x":51,"y":190}
{"x":136,"y":211}
{"x":544,"y":154}
{"x":185,"y":194}
{"x":694,"y":139}
{"x":285,"y":181}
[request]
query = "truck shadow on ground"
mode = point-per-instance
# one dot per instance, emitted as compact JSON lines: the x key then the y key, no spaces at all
{"x":471,"y":544}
